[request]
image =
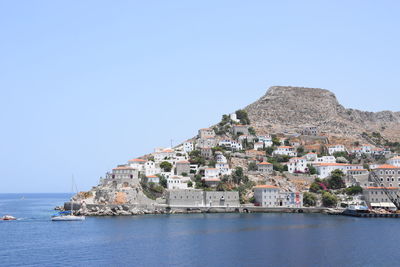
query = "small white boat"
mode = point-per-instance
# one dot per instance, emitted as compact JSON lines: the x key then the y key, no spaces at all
{"x":68,"y":218}
{"x":8,"y":218}
{"x":65,"y":216}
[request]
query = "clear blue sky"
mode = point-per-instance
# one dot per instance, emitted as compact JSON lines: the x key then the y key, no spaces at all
{"x":87,"y":85}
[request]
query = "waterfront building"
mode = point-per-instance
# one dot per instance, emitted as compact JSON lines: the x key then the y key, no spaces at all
{"x":177,"y":182}
{"x":273,"y":196}
{"x":199,"y":198}
{"x":388,"y":175}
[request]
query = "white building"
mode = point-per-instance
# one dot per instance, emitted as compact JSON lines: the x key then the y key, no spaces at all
{"x":325,"y":159}
{"x":230,"y":144}
{"x":188,"y":147}
{"x":150,"y":168}
{"x":220,"y":158}
{"x":177,"y":182}
{"x":285,"y":150}
{"x":325,"y":169}
{"x":164,"y":154}
{"x":223,"y":168}
{"x":296,"y":165}
{"x":311,"y":156}
{"x":153,"y":179}
{"x":335,"y":148}
{"x":233,"y":117}
{"x":394,"y":161}
{"x":258,"y":145}
{"x":266,"y":139}
{"x":366,"y":148}
{"x":211,"y":173}
{"x":137,"y":164}
{"x":273,"y":196}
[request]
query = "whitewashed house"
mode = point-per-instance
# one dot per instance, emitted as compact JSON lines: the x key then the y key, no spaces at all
{"x":220,"y":158}
{"x":153,"y":179}
{"x":266,"y":139}
{"x":223,"y":169}
{"x":296,"y":165}
{"x":325,"y":169}
{"x":273,"y":196}
{"x":177,"y":182}
{"x":285,"y":150}
{"x":188,"y":147}
{"x":395,"y":161}
{"x":311,"y":156}
{"x":230,"y":144}
{"x":211,"y":173}
{"x":325,"y":159}
{"x":258,"y":145}
{"x":336,"y":148}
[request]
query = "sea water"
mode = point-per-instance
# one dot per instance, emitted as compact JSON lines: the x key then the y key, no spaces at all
{"x":191,"y":240}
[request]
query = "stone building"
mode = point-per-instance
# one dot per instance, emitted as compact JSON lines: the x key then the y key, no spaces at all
{"x":206,"y":133}
{"x":265,"y":167}
{"x":240,"y":129}
{"x":199,"y":198}
{"x":182,"y":167}
{"x":310,"y":130}
{"x":273,"y":196}
{"x":388,"y":175}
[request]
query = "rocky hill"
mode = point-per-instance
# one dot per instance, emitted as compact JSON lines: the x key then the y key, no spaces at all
{"x":291,"y":108}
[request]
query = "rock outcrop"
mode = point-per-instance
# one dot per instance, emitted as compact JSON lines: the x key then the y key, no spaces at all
{"x":285,"y":108}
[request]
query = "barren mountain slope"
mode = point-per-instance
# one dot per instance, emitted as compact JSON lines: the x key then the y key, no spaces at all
{"x":292,"y":108}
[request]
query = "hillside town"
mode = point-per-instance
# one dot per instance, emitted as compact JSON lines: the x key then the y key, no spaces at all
{"x":234,"y":164}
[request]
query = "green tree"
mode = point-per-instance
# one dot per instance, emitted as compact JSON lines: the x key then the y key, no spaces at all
{"x":190,"y":184}
{"x":166,"y":166}
{"x":184,"y":174}
{"x":311,"y":169}
{"x":354,"y":190}
{"x":316,"y":187}
{"x":336,"y":180}
{"x":329,"y":200}
{"x":252,"y":131}
{"x":269,"y":150}
{"x":242,"y":116}
{"x":276,"y":141}
{"x":309,"y":199}
{"x":238,"y":176}
{"x":252,"y":166}
{"x":163,"y":181}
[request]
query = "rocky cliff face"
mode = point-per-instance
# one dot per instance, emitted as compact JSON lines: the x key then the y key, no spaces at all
{"x":291,"y":108}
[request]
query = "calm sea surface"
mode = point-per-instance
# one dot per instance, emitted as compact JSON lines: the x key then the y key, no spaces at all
{"x":191,"y":240}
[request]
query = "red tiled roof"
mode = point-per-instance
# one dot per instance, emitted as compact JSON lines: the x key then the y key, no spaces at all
{"x":387,"y":166}
{"x":381,"y":187}
{"x":266,"y":186}
{"x":264,"y":163}
{"x":136,"y":160}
